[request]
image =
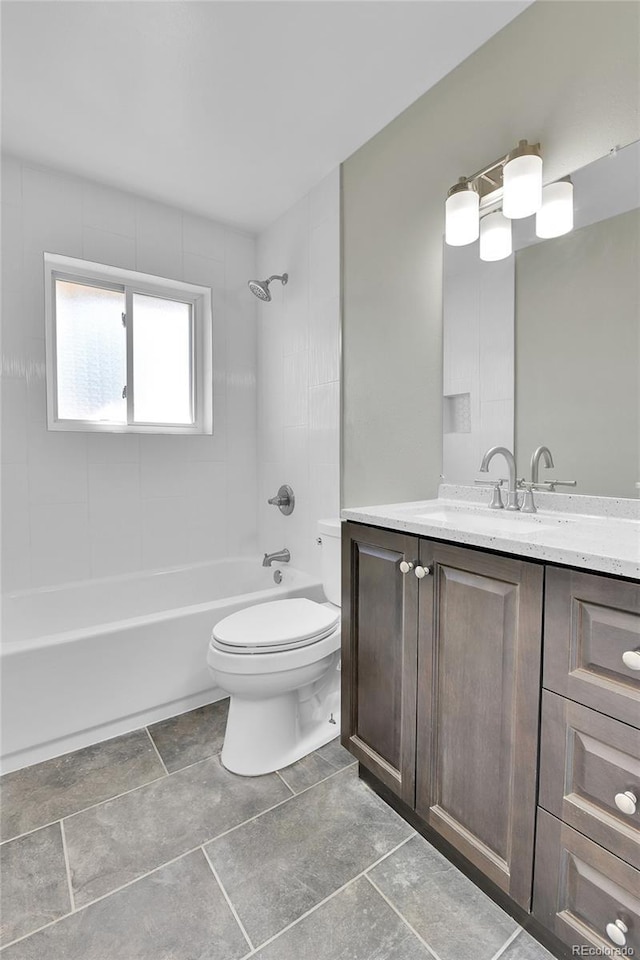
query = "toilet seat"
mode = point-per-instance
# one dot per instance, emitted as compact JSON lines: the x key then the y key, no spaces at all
{"x":275,"y":626}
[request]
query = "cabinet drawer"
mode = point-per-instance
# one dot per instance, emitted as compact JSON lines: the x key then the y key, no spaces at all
{"x":587,"y":761}
{"x":582,"y":890}
{"x":590,"y":623}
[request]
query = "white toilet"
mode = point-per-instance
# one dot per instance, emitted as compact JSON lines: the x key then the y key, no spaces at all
{"x":280,"y":663}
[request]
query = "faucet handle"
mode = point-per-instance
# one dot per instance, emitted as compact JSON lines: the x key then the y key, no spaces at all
{"x":496,"y":499}
{"x":550,"y":485}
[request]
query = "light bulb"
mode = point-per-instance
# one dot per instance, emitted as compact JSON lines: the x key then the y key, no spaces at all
{"x":522,"y":182}
{"x":462,"y":215}
{"x":495,"y":237}
{"x":555,"y":216}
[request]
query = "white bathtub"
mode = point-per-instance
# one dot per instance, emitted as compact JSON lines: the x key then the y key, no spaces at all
{"x":90,"y":660}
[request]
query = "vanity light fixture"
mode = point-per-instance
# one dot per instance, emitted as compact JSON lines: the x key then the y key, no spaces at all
{"x":507,"y":189}
{"x":555,"y":216}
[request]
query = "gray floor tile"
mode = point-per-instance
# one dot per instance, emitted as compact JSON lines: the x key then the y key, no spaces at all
{"x":282,"y":864}
{"x":335,"y":754}
{"x":34,"y":882}
{"x":191,"y":736}
{"x":311,"y":769}
{"x":525,"y":947}
{"x":356,"y":924}
{"x":57,"y":788}
{"x":119,"y":840}
{"x":176,"y":913}
{"x":449,"y":912}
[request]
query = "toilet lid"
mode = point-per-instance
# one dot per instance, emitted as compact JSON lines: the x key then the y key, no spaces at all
{"x":281,"y":624}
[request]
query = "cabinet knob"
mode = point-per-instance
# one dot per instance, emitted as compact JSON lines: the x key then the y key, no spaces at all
{"x":616,"y":932}
{"x":406,"y":566}
{"x":631,"y":659}
{"x":627,"y":802}
{"x":422,"y":572}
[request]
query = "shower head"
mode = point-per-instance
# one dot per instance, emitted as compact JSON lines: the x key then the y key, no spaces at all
{"x":260,"y":288}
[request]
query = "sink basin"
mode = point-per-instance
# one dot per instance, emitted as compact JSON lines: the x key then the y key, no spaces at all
{"x":480,"y":519}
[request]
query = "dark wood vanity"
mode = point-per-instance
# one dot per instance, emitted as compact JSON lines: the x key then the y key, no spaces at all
{"x":487,"y":699}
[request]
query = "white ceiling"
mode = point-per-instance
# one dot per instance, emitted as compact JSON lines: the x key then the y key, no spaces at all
{"x":232,"y":109}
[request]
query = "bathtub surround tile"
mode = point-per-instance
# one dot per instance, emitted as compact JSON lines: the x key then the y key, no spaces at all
{"x":59,"y":540}
{"x":525,"y":947}
{"x":124,"y":838}
{"x":60,"y":787}
{"x":311,"y":769}
{"x":115,"y":535}
{"x":356,"y":923}
{"x":308,"y":848}
{"x":100,"y":246}
{"x":335,"y":754}
{"x":451,"y":914}
{"x":34,"y":887}
{"x":191,"y":736}
{"x":176,"y":913}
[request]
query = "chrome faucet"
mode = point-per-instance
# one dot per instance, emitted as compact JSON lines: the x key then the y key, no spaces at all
{"x":512,"y":493}
{"x":542,"y":453}
{"x":280,"y":556}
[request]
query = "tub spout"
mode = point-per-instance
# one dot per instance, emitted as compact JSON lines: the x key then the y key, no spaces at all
{"x":280,"y":556}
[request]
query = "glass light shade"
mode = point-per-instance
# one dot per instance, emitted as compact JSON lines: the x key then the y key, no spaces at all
{"x":495,"y":237}
{"x":462,"y":218}
{"x":522,"y":186}
{"x":555,"y":216}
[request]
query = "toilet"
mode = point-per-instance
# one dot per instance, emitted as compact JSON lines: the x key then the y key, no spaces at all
{"x":280,"y":664}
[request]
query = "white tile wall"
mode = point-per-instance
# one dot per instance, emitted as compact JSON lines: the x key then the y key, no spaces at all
{"x":298,"y":373}
{"x":86,"y":505}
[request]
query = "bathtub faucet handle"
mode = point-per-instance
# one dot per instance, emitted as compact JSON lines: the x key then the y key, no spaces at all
{"x":284,"y":500}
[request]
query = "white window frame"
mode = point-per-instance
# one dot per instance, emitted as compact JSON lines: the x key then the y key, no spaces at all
{"x":130,"y":282}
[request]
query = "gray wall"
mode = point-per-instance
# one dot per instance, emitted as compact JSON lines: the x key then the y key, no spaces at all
{"x":564,"y":73}
{"x":577,"y":310}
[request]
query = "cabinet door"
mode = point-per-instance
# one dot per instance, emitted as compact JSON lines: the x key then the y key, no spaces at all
{"x":479,"y":653}
{"x":379,"y":641}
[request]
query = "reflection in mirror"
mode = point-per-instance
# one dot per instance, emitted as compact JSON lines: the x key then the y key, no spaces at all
{"x":544,"y":347}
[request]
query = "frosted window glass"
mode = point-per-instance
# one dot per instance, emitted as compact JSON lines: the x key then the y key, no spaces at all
{"x":91,"y":353}
{"x":161,"y":360}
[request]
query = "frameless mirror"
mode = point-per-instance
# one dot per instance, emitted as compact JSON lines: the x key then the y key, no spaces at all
{"x":544,"y":347}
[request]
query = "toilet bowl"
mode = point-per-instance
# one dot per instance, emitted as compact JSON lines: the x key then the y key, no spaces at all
{"x":280,"y":664}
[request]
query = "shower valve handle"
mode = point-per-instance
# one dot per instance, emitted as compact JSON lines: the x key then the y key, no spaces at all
{"x":284,"y":500}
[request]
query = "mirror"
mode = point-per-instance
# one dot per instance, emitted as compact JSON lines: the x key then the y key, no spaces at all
{"x":544,"y":347}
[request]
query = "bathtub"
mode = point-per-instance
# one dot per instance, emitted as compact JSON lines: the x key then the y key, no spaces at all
{"x":90,"y":660}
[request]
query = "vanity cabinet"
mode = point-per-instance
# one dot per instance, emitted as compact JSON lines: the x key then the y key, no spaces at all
{"x":441,"y":687}
{"x":499,"y":700}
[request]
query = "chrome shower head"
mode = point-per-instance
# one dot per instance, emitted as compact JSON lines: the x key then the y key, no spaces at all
{"x":260,"y":288}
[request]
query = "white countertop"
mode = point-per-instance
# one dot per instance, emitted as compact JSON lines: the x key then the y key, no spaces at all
{"x":605,"y":539}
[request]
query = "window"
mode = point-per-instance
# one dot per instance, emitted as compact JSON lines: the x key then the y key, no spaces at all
{"x":126,"y":352}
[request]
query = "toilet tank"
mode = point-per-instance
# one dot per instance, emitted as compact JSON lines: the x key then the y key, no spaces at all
{"x":330,"y":532}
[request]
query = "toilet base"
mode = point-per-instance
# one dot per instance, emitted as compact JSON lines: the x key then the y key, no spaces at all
{"x":269,"y":734}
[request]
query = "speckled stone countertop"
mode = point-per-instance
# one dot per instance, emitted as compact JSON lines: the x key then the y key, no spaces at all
{"x":595,"y":533}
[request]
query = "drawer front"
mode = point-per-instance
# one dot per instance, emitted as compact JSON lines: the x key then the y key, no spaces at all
{"x":592,"y":642}
{"x":584,"y":894}
{"x":590,"y":774}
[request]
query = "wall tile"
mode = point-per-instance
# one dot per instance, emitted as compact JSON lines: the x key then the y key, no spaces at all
{"x":112,"y":248}
{"x":324,"y":200}
{"x":324,"y":261}
{"x":203,"y":237}
{"x":52,"y":210}
{"x":113,"y":481}
{"x":324,"y":342}
{"x":158,"y":240}
{"x":115,"y":531}
{"x":113,"y":448}
{"x":165,"y":531}
{"x":14,"y":421}
{"x":57,"y":466}
{"x":324,"y":429}
{"x":108,"y":210}
{"x":11,"y":180}
{"x":296,"y":382}
{"x":16,"y":546}
{"x":59,"y":543}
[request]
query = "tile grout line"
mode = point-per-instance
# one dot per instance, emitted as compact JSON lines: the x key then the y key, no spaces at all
{"x":516,"y":933}
{"x":153,"y":744}
{"x":67,"y":867}
{"x":401,"y":916}
{"x":167,"y":862}
{"x":335,"y":893}
{"x":285,"y":783}
{"x":228,"y":899}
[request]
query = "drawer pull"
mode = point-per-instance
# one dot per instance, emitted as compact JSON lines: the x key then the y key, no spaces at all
{"x":422,"y":572}
{"x":626,"y":802}
{"x":616,"y":932}
{"x":406,"y":566}
{"x":631,"y":659}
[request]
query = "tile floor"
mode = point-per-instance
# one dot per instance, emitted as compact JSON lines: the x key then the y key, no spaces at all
{"x":145,"y":848}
